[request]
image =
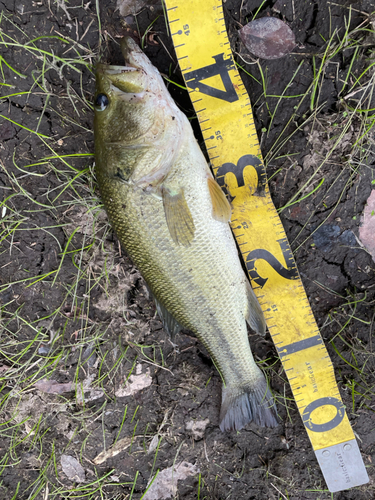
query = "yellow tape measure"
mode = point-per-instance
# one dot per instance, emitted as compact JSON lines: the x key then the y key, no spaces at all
{"x":224,"y":112}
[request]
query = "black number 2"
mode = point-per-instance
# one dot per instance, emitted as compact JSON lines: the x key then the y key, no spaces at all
{"x":290,"y":272}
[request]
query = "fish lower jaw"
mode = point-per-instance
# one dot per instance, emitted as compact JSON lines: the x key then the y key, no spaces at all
{"x":131,"y":97}
{"x":117,"y":70}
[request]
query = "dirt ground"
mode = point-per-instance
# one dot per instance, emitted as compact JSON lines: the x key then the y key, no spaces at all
{"x":75,"y":311}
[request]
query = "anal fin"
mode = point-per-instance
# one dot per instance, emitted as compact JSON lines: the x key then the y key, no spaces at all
{"x":178,"y":216}
{"x":169,"y":322}
{"x":221,"y":209}
{"x":254,"y":316}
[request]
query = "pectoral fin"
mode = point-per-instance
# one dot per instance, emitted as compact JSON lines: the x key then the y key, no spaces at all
{"x":178,"y":216}
{"x":254,"y":317}
{"x":169,"y":322}
{"x":221,"y":210}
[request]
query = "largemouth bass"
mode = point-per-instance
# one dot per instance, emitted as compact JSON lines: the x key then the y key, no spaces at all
{"x":172,"y":218}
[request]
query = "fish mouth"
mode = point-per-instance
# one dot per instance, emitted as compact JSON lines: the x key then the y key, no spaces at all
{"x":138,"y":77}
{"x":135,"y":59}
{"x":133,"y":55}
{"x":132,"y":78}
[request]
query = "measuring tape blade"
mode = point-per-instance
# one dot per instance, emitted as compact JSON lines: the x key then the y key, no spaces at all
{"x":225,"y":116}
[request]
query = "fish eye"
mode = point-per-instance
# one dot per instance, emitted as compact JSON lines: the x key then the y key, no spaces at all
{"x":101,"y":102}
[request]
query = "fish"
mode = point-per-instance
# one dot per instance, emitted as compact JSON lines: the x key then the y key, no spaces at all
{"x":172,"y":218}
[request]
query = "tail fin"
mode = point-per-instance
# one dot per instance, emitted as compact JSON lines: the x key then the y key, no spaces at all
{"x":249,"y":403}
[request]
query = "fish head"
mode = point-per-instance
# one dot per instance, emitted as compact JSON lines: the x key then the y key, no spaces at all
{"x":131,"y":101}
{"x":123,"y":111}
{"x":134,"y":112}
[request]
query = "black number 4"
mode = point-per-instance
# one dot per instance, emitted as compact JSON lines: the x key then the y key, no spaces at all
{"x":220,"y":67}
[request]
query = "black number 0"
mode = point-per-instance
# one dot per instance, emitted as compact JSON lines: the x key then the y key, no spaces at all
{"x":327,"y":426}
